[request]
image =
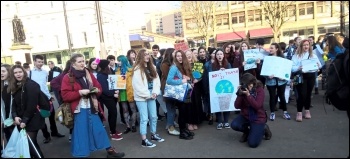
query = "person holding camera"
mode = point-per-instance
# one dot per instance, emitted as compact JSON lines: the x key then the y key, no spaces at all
{"x":88,"y":133}
{"x":252,"y":119}
{"x":306,"y":78}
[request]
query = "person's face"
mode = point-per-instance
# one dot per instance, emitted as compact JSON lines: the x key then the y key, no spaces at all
{"x":195,"y":53}
{"x":155,"y":52}
{"x":212,"y":55}
{"x":250,"y":87}
{"x":201,"y":53}
{"x":306,"y":46}
{"x":79,"y":63}
{"x":38,"y":63}
{"x":146,"y":58}
{"x":273,"y":50}
{"x":132,"y":55}
{"x":93,"y":65}
{"x":51,"y":65}
{"x":227,"y":49}
{"x":298,"y":41}
{"x":178,"y":57}
{"x":220,"y":56}
{"x":4,"y":74}
{"x":189,"y":55}
{"x":18,"y":73}
{"x":111,"y":62}
{"x":244,"y":46}
{"x":311,"y":41}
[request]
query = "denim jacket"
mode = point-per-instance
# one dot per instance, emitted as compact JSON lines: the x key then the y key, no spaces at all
{"x":272,"y":82}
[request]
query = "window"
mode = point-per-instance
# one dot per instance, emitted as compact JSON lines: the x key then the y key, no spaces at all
{"x":301,"y":32}
{"x":251,"y":16}
{"x":306,"y":9}
{"x":85,"y":38}
{"x":321,"y":30}
{"x":310,"y":31}
{"x":254,"y":15}
{"x":238,"y":17}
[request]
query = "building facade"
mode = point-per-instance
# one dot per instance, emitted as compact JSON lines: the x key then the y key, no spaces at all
{"x":168,"y":23}
{"x":45,"y":29}
{"x":244,"y":21}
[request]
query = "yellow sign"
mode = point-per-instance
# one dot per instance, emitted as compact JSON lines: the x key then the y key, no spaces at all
{"x":121,"y":81}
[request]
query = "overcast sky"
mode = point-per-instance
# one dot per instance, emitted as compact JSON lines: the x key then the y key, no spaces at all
{"x":136,"y":9}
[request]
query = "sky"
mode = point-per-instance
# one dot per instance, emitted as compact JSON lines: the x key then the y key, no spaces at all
{"x":137,"y":9}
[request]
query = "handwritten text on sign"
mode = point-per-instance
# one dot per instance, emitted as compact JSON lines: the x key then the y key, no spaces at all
{"x":223,"y":86}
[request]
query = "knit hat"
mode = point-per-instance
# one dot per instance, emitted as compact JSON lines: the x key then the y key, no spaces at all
{"x":103,"y":64}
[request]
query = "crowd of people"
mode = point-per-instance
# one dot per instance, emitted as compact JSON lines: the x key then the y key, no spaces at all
{"x":147,"y":73}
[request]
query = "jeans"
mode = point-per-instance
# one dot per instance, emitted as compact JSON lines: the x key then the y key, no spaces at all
{"x":147,"y":110}
{"x":255,"y":131}
{"x":161,"y":102}
{"x":219,"y":116}
{"x":171,"y":111}
{"x":280,"y":93}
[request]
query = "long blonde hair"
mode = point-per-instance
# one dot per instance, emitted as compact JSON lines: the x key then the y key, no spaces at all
{"x":300,"y":52}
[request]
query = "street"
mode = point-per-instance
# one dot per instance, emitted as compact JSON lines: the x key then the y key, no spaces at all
{"x":326,"y":135}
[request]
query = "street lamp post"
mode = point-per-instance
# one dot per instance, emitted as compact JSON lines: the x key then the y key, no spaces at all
{"x":342,"y":18}
{"x":100,"y":30}
{"x":67,"y":28}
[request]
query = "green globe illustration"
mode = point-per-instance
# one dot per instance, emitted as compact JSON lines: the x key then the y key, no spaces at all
{"x":224,"y":86}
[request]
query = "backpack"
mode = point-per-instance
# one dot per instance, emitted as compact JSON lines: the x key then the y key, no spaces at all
{"x":337,"y":82}
{"x":45,"y":106}
{"x":64,"y":113}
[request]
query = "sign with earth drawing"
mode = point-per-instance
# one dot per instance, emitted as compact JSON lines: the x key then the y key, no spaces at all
{"x":223,"y":86}
{"x":250,"y":57}
{"x":277,"y":66}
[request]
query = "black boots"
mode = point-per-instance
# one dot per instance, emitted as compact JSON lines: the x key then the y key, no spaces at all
{"x":185,"y":135}
{"x":268,"y":133}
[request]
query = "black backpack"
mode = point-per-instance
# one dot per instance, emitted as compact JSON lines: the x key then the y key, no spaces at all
{"x":337,"y":82}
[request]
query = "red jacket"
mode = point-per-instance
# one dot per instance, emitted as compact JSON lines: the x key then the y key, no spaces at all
{"x":242,"y":102}
{"x":73,"y":96}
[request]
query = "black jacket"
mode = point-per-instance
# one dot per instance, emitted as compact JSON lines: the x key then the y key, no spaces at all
{"x":24,"y":105}
{"x":7,"y":100}
{"x":55,"y":68}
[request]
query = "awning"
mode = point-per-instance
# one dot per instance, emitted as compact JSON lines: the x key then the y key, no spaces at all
{"x":138,"y":37}
{"x":233,"y":36}
{"x":258,"y":33}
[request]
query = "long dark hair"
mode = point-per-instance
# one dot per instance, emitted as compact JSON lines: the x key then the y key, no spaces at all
{"x":279,"y":52}
{"x":140,"y":64}
{"x":185,"y":67}
{"x":332,"y":43}
{"x":67,"y":68}
{"x":168,"y":57}
{"x":131,"y":62}
{"x":216,"y":64}
{"x":89,"y":64}
{"x":8,"y":69}
{"x":14,"y":84}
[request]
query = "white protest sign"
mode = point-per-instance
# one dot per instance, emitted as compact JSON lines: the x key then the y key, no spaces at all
{"x":250,"y":57}
{"x":309,"y":65}
{"x":223,"y":87}
{"x":276,"y":66}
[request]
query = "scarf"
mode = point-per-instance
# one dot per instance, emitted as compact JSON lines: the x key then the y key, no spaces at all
{"x":252,"y":112}
{"x":86,"y":84}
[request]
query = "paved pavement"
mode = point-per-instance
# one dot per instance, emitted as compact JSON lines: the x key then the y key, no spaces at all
{"x":326,"y":135}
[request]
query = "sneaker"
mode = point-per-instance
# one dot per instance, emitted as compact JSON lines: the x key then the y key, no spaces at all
{"x":272,"y":116}
{"x":307,"y":114}
{"x":146,"y":143}
{"x":173,"y":131}
{"x":112,"y":153}
{"x":156,"y":137}
{"x":117,"y":132}
{"x":299,"y":117}
{"x":116,"y":137}
{"x":219,"y":127}
{"x":227,"y":126}
{"x":286,"y":116}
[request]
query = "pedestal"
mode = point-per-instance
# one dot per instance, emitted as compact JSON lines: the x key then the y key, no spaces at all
{"x":21,"y":53}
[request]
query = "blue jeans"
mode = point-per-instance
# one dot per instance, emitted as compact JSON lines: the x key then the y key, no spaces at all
{"x":255,"y":131}
{"x":171,"y":111}
{"x":147,"y":110}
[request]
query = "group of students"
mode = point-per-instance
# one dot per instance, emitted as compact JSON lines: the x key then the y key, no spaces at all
{"x":146,"y":76}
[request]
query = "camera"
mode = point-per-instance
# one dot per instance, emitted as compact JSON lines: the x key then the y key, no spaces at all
{"x":244,"y":87}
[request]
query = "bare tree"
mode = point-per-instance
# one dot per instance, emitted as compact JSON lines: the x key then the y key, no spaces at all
{"x":277,"y":13}
{"x":202,"y":16}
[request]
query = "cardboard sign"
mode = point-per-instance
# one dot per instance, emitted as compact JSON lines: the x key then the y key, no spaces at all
{"x":181,"y":46}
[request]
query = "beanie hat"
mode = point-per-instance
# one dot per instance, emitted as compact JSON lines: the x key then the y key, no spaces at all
{"x":103,"y":64}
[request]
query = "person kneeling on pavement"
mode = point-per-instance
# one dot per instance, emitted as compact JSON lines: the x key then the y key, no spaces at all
{"x":252,"y":119}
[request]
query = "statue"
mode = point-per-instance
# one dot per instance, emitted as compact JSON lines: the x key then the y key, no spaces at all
{"x":18,"y":31}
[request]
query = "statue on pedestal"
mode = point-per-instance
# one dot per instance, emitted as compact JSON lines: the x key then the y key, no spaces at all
{"x":19,"y":36}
